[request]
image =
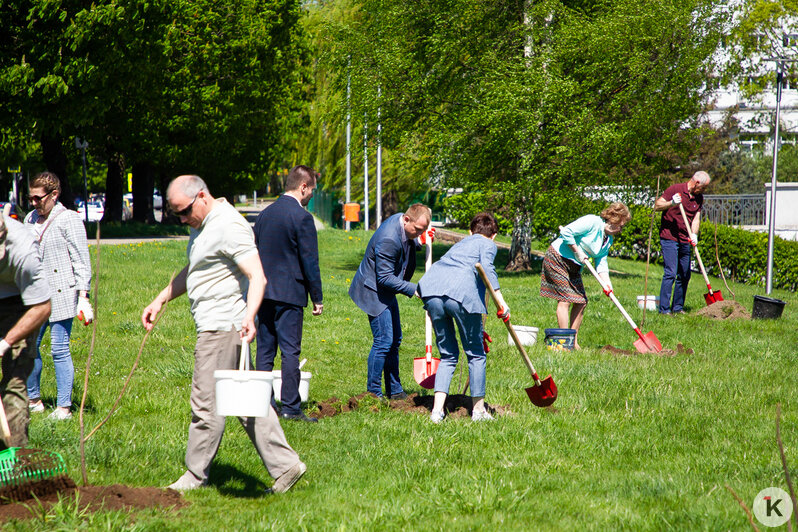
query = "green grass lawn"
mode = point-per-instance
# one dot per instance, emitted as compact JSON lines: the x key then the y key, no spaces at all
{"x":635,"y":442}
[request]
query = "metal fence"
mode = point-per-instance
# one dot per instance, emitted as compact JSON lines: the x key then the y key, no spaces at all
{"x":325,"y":205}
{"x":734,"y":209}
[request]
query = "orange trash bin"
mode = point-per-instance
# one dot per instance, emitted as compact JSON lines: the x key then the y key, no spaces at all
{"x":351,"y":212}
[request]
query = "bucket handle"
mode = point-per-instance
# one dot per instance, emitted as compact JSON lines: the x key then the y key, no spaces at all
{"x":243,"y":362}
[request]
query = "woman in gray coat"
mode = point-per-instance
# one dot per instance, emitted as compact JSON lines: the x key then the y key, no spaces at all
{"x":453,"y":293}
{"x":65,"y":256}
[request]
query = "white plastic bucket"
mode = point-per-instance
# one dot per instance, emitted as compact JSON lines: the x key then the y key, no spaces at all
{"x":650,"y":302}
{"x":242,"y":392}
{"x":527,"y":335}
{"x":304,"y":385}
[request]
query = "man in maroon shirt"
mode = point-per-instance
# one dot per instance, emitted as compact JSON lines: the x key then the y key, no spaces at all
{"x":676,"y":238}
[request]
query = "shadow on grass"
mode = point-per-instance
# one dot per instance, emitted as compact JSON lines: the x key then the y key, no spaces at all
{"x":228,"y":479}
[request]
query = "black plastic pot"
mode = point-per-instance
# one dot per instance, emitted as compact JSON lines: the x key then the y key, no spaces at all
{"x":767,"y":308}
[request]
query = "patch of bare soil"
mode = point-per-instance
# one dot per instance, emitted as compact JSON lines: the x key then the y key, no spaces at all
{"x":725,"y":310}
{"x":456,"y":405}
{"x":680,"y":350}
{"x":92,"y":498}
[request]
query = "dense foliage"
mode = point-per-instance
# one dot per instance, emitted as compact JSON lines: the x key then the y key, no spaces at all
{"x":208,"y":87}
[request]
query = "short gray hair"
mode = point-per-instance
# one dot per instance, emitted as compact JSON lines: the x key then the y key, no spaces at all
{"x":701,"y":177}
{"x":188,"y":185}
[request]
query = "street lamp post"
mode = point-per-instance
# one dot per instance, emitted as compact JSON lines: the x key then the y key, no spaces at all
{"x":780,"y":67}
{"x":82,"y":145}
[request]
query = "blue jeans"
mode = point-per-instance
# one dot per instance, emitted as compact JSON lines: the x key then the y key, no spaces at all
{"x":445,"y":313}
{"x":384,"y":355}
{"x":62,"y":360}
{"x":676,"y":256}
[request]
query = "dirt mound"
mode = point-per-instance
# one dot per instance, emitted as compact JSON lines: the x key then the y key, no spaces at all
{"x":680,"y":350}
{"x":725,"y":310}
{"x":92,"y":498}
{"x":456,"y":405}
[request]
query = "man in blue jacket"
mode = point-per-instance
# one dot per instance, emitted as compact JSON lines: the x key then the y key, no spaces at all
{"x":385,"y":271}
{"x":289,"y":252}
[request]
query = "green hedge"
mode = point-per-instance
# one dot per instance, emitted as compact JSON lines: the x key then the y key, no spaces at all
{"x":742,"y":253}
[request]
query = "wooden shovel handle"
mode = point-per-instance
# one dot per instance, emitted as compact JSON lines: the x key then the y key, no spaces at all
{"x":697,"y":254}
{"x":510,"y":329}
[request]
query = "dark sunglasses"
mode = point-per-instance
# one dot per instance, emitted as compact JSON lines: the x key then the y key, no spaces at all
{"x":37,"y":199}
{"x":187,"y":210}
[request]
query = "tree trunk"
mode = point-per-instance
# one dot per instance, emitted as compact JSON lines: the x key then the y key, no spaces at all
{"x":113,"y":187}
{"x":143,"y":186}
{"x":390,"y":204}
{"x":521,"y":247}
{"x":56,"y":162}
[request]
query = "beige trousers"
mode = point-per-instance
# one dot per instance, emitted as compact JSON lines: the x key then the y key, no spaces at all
{"x":17,"y":365}
{"x":220,"y":350}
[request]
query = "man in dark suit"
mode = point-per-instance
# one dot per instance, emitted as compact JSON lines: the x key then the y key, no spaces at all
{"x":385,"y":271}
{"x":289,"y":252}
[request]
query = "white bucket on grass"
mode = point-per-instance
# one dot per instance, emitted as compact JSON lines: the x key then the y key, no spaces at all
{"x":650,"y":302}
{"x":242,"y":392}
{"x":304,"y":384}
{"x":527,"y":335}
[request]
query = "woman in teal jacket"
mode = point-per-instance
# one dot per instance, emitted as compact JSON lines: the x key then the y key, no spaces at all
{"x":587,"y":237}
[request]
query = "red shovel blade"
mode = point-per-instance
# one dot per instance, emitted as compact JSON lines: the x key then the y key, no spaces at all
{"x":714,"y":297}
{"x":424,"y":371}
{"x":543,"y":395}
{"x":648,"y":343}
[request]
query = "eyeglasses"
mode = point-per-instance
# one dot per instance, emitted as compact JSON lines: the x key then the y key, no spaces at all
{"x":37,"y":199}
{"x":187,"y":210}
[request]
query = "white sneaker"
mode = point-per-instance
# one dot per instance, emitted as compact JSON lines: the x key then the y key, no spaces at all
{"x":436,"y":417}
{"x":481,"y":415}
{"x":38,"y":406}
{"x":59,"y":415}
{"x":186,"y":482}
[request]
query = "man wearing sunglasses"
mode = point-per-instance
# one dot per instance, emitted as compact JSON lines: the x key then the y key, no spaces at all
{"x":223,"y":263}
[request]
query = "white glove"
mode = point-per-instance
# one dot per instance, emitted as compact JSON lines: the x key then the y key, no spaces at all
{"x":693,"y":238}
{"x":677,"y":199}
{"x":85,"y":313}
{"x":4,"y":347}
{"x":581,"y":256}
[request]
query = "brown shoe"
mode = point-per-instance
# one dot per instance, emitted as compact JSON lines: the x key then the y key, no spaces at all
{"x":285,"y":481}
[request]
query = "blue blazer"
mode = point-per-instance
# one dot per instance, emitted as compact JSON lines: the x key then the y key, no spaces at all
{"x":455,"y":276}
{"x":386,"y":268}
{"x":289,"y":252}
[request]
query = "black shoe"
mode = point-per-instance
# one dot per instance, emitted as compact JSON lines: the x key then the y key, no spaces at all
{"x":298,"y":417}
{"x":398,"y":396}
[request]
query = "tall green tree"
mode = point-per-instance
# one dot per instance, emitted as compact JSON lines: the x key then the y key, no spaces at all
{"x":530,"y":101}
{"x":207,"y":86}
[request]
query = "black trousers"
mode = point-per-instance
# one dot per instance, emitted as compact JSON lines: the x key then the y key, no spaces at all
{"x":280,"y":325}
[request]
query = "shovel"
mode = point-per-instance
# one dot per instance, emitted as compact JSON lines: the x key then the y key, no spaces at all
{"x":544,"y":392}
{"x":424,"y":368}
{"x":648,"y":342}
{"x":712,"y":296}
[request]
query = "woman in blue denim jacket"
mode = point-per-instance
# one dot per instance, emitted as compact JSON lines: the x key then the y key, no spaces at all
{"x":454,"y":294}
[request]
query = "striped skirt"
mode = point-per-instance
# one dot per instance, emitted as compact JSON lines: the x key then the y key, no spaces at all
{"x":561,"y":279}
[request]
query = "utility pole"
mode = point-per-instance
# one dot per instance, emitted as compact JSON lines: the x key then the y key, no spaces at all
{"x":348,"y":142}
{"x":365,"y":171}
{"x":378,"y":191}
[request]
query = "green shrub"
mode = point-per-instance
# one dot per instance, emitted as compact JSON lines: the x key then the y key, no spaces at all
{"x":742,"y":253}
{"x":463,"y":206}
